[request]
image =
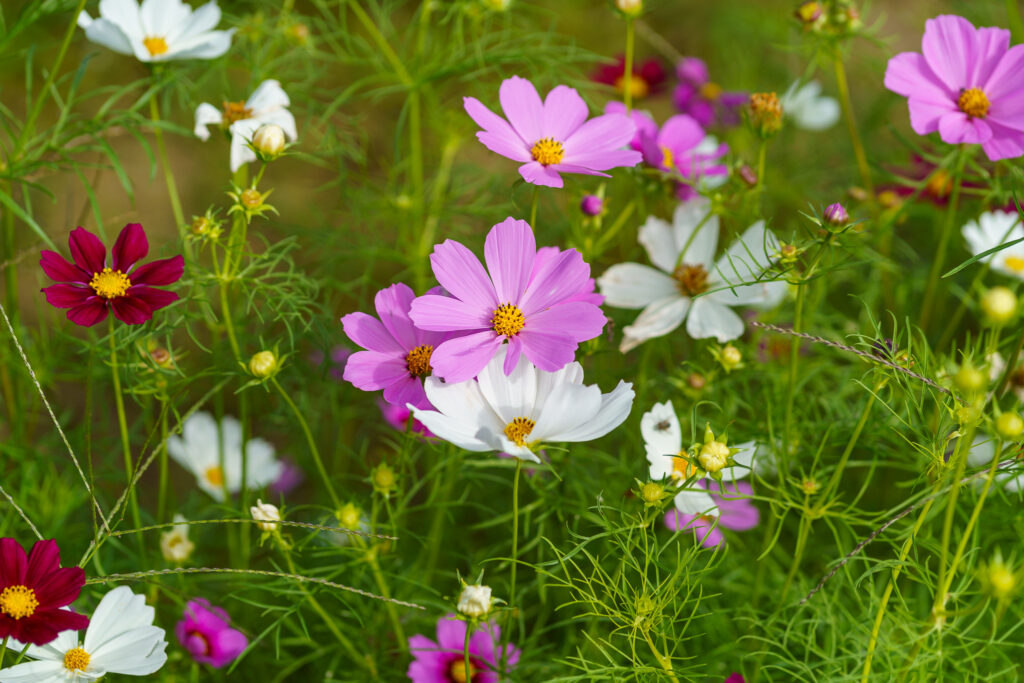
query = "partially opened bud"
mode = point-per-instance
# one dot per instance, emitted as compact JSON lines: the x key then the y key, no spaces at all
{"x":592,"y":205}
{"x":475,"y":601}
{"x":764,"y":112}
{"x":835,"y":214}
{"x":265,"y":514}
{"x":630,"y":8}
{"x":269,"y":139}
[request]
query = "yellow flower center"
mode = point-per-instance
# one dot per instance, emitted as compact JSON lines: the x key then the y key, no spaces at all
{"x":417,"y":361}
{"x":458,"y":673}
{"x":638,"y":87}
{"x":19,"y":601}
{"x":1015,"y":263}
{"x":691,"y":280}
{"x":156,"y":45}
{"x":110,"y":284}
{"x":973,"y":102}
{"x":76,"y":659}
{"x":508,"y":320}
{"x":711,"y":91}
{"x":668,"y":160}
{"x":235,"y":111}
{"x":682,"y":468}
{"x":214,"y":475}
{"x":547,"y":151}
{"x":518,"y":429}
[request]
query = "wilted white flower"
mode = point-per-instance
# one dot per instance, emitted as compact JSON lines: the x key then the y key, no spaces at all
{"x":992,"y":229}
{"x":806,"y":107}
{"x":267,"y":105}
{"x":264,"y":513}
{"x":158,"y":30}
{"x":174,"y":544}
{"x":475,"y":601}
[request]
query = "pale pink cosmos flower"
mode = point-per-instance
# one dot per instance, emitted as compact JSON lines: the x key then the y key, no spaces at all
{"x":968,"y":85}
{"x":730,"y":510}
{"x":538,"y":302}
{"x":552,"y":136}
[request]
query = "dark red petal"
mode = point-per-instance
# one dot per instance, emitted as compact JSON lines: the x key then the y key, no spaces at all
{"x":12,"y":563}
{"x":161,"y":272}
{"x":155,"y":298}
{"x":131,"y":246}
{"x":87,"y":250}
{"x":33,"y":631}
{"x":58,"y":587}
{"x":131,"y":310}
{"x":93,"y":311}
{"x":67,"y":296}
{"x":63,"y":620}
{"x":59,"y":270}
{"x":43,"y":559}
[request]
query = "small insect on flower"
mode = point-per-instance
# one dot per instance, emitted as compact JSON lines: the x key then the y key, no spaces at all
{"x":94,"y":286}
{"x":33,"y":589}
{"x":205,"y":632}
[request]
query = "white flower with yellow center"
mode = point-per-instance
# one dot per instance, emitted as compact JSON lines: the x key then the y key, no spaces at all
{"x":158,"y":30}
{"x":519,"y":412}
{"x":175,"y":544}
{"x":268,"y":105}
{"x":214,"y":454}
{"x":992,"y":229}
{"x":121,"y":639}
{"x":806,"y":107}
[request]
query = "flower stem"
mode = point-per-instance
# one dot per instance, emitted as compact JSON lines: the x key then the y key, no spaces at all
{"x":3,"y":649}
{"x":762,"y":162}
{"x":627,"y":72}
{"x":172,"y":187}
{"x":963,"y":447}
{"x":507,"y":634}
{"x":312,"y":443}
{"x":664,"y":660}
{"x":533,"y":207}
{"x":794,"y":357}
{"x":465,"y":651}
{"x":164,"y":475}
{"x":851,"y":124}
{"x":1014,"y":20}
{"x":122,"y":424}
{"x":935,"y":275}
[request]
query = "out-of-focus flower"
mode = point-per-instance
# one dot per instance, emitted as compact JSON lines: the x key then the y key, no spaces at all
{"x":708,"y":513}
{"x":475,"y":601}
{"x":982,"y":451}
{"x":175,"y":544}
{"x":764,"y":113}
{"x":290,"y":478}
{"x":999,"y":304}
{"x":965,"y":85}
{"x":443,"y":660}
{"x":265,"y":515}
{"x":998,"y":578}
{"x":337,"y":358}
{"x":642,"y":120}
{"x":269,"y":140}
{"x":158,"y":30}
{"x":992,"y":229}
{"x":703,"y":99}
{"x":205,"y":632}
{"x":592,"y":205}
{"x":683,"y":254}
{"x":553,"y":136}
{"x":807,"y":108}
{"x":268,"y":104}
{"x":214,"y":455}
{"x":33,"y":589}
{"x":835,"y":214}
{"x":90,"y":288}
{"x":648,"y":78}
{"x":399,"y":417}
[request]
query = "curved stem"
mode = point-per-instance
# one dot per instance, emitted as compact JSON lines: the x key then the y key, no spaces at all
{"x":311,"y":441}
{"x":947,"y":230}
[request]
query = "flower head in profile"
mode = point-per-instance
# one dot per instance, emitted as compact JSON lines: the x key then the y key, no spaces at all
{"x":552,"y":136}
{"x":121,"y":639}
{"x":698,"y":96}
{"x":992,"y":229}
{"x":687,"y":283}
{"x":517,"y":413}
{"x":648,"y":77}
{"x":205,"y":632}
{"x":443,"y":660}
{"x":966,"y":84}
{"x":707,"y":513}
{"x":398,"y":354}
{"x":93,"y":285}
{"x":535,"y":303}
{"x":158,"y":30}
{"x":33,"y":589}
{"x":213,"y":453}
{"x":806,"y":107}
{"x":268,"y":105}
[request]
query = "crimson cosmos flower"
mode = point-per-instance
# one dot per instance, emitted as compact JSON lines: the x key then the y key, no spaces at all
{"x":90,"y":287}
{"x":33,"y":589}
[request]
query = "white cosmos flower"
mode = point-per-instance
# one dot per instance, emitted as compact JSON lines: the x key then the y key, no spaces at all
{"x":808,"y":108}
{"x":516,"y":413}
{"x":175,"y":544}
{"x":158,"y":30}
{"x":268,"y":104}
{"x":220,"y":468}
{"x":683,"y":253}
{"x":983,"y":449}
{"x":992,"y":229}
{"x":121,"y":639}
{"x":663,"y":441}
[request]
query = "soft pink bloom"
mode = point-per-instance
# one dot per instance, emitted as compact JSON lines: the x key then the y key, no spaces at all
{"x":442,"y":661}
{"x":735,"y":678}
{"x":676,"y":149}
{"x":205,"y":631}
{"x":645,"y":125}
{"x":586,"y":291}
{"x":553,"y":136}
{"x":399,"y":354}
{"x":705,"y":101}
{"x":399,"y":416}
{"x":540,"y":302}
{"x":592,"y":205}
{"x":968,"y":85}
{"x":290,"y":478}
{"x":733,"y":512}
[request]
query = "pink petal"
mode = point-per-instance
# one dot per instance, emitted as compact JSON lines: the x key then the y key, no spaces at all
{"x":59,"y":270}
{"x":1007,"y":79}
{"x":67,"y":296}
{"x":94,"y":310}
{"x":577,"y":319}
{"x":609,"y":131}
{"x":392,"y":304}
{"x":740,"y":515}
{"x":459,"y":271}
{"x":680,"y":134}
{"x":371,"y":370}
{"x":538,"y":174}
{"x":131,"y":310}
{"x":925,"y":115}
{"x":492,"y":123}
{"x":564,"y":112}
{"x":131,"y":246}
{"x":572,"y":168}
{"x":371,"y":334}
{"x":601,"y":161}
{"x":461,"y":359}
{"x":990,"y":44}
{"x":1004,"y":144}
{"x":407,"y":390}
{"x":87,"y":250}
{"x":160,"y":272}
{"x":509,"y":251}
{"x":956,"y":127}
{"x":523,"y":108}
{"x":559,"y":278}
{"x":442,"y":313}
{"x":950,"y":50}
{"x":515,"y":349}
{"x":507,"y":147}
{"x":548,"y":350}
{"x":908,"y":74}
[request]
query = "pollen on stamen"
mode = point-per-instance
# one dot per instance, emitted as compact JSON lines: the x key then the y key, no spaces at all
{"x":234,"y":111}
{"x":215,"y":476}
{"x":76,"y":659}
{"x":156,"y":45}
{"x":691,"y":280}
{"x":667,"y":158}
{"x":547,"y":151}
{"x":518,"y":429}
{"x":18,"y":602}
{"x":681,"y":467}
{"x":110,"y":283}
{"x":508,"y":320}
{"x":417,"y":361}
{"x":973,"y":102}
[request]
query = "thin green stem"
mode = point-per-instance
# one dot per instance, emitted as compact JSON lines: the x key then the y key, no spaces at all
{"x":1014,"y":20}
{"x":794,"y":358}
{"x":533,"y":207}
{"x":851,"y":123}
{"x":762,"y":164}
{"x":122,"y":423}
{"x":507,"y":635}
{"x":172,"y":187}
{"x":930,"y":294}
{"x":229,"y":324}
{"x":311,"y":441}
{"x":627,"y":71}
{"x":164,"y":475}
{"x":960,"y":455}
{"x":467,"y":667}
{"x":663,"y":660}
{"x":3,"y":649}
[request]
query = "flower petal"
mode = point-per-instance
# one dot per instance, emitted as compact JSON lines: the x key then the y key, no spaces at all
{"x":523,"y":108}
{"x":632,"y":285}
{"x":67,"y":296}
{"x":131,"y":246}
{"x":131,"y":310}
{"x":160,"y":272}
{"x":539,"y":174}
{"x":710,"y":319}
{"x":462,"y":358}
{"x":564,"y":112}
{"x":59,"y":270}
{"x":87,"y":250}
{"x":509,"y":251}
{"x":459,"y":272}
{"x":658,"y":319}
{"x":93,"y":311}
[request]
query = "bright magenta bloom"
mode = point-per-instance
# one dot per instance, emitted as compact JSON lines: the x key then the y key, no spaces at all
{"x":33,"y":589}
{"x":553,"y":136}
{"x":968,"y":85}
{"x":444,"y":661}
{"x":90,"y":287}
{"x":733,"y":512}
{"x":205,"y":631}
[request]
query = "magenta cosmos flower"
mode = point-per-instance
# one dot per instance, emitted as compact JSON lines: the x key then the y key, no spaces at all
{"x":648,"y":77}
{"x":398,"y":354}
{"x":553,"y":136}
{"x":680,"y":147}
{"x":91,"y":287}
{"x":731,"y":512}
{"x":33,"y":589}
{"x":968,"y":85}
{"x":205,"y":631}
{"x":541,"y":309}
{"x":703,"y":99}
{"x":444,"y":661}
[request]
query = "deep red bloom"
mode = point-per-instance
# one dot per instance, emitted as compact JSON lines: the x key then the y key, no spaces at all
{"x":32,"y":591}
{"x":648,"y":76}
{"x":90,"y":287}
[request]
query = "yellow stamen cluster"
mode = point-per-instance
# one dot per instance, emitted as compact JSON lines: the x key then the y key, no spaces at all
{"x":109,"y":283}
{"x":547,"y":151}
{"x":508,"y":320}
{"x":214,"y":475}
{"x":681,"y":467}
{"x":156,"y":45}
{"x":710,"y":91}
{"x":973,"y":102}
{"x":668,"y":159}
{"x":18,"y":602}
{"x":691,"y":280}
{"x":76,"y":660}
{"x":417,"y":361}
{"x":638,"y":87}
{"x":518,"y":429}
{"x":765,"y":113}
{"x":235,"y":111}
{"x":458,"y":673}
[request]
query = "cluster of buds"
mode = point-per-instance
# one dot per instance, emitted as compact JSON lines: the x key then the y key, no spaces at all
{"x":836,"y":18}
{"x":206,"y":227}
{"x":764,"y":114}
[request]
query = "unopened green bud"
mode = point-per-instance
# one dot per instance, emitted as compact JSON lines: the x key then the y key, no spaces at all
{"x":999,"y":305}
{"x":1009,"y":425}
{"x":263,"y":364}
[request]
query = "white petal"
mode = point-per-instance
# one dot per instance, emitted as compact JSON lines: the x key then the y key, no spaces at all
{"x":566,"y":408}
{"x":135,"y":652}
{"x":695,"y":502}
{"x":744,"y":462}
{"x":163,"y":18}
{"x":747,"y":258}
{"x":84,"y":20}
{"x":663,"y":438}
{"x":262,"y":468}
{"x":658,"y":238}
{"x":125,"y":14}
{"x":241,"y":133}
{"x":696,"y":232}
{"x":109,"y":35}
{"x":710,"y":319}
{"x":982,"y":451}
{"x":509,"y":396}
{"x":631,"y":285}
{"x":454,"y":430}
{"x":614,"y":410}
{"x":203,"y":20}
{"x":572,"y":373}
{"x":119,"y":611}
{"x":206,"y":46}
{"x":44,"y":671}
{"x":268,"y":96}
{"x":658,"y":319}
{"x":820,"y":114}
{"x":283,"y":118}
{"x":207,"y":115}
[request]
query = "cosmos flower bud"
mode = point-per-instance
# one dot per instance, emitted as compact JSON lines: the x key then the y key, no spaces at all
{"x":997,"y":578}
{"x":475,"y":601}
{"x":630,"y":8}
{"x":789,"y":253}
{"x":348,"y":516}
{"x":714,"y":453}
{"x":969,"y":379}
{"x":730,"y":358}
{"x":748,"y":175}
{"x":1009,"y":425}
{"x":174,"y":544}
{"x":592,"y":205}
{"x":652,"y":492}
{"x":263,"y":364}
{"x":265,"y":514}
{"x":809,"y":13}
{"x":269,"y":140}
{"x":999,"y":305}
{"x":764,"y":113}
{"x":810,"y":486}
{"x":835,"y":214}
{"x":384,"y":479}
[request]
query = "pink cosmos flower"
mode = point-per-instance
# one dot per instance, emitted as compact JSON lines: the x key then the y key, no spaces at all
{"x":645,"y":125}
{"x":735,"y":678}
{"x":90,"y":287}
{"x":206,"y":633}
{"x":540,"y":309}
{"x":399,"y":353}
{"x":680,"y":147}
{"x":704,"y":100}
{"x":399,"y":416}
{"x":648,"y":76}
{"x":553,"y":136}
{"x":968,"y":85}
{"x":444,"y":661}
{"x":731,"y":512}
